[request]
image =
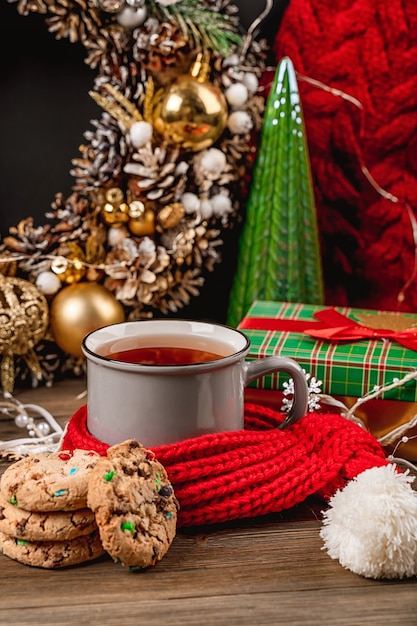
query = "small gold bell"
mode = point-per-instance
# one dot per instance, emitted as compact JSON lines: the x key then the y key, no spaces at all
{"x":115,"y":215}
{"x":114,"y":211}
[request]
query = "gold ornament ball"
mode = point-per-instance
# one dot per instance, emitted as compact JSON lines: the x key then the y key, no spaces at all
{"x":77,"y":310}
{"x":23,"y":315}
{"x":191,"y":113}
{"x":143,"y":225}
{"x":23,"y":323}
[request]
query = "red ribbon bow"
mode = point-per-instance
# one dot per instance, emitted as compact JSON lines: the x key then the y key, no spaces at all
{"x":333,"y":326}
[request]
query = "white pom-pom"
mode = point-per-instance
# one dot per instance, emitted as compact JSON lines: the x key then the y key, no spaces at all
{"x":48,"y":283}
{"x":237,"y":94}
{"x":190,"y":201}
{"x":371,"y":525}
{"x":140,"y":134}
{"x":222,"y":205}
{"x":210,"y":163}
{"x":206,"y":209}
{"x":239,"y":123}
{"x":251,"y":82}
{"x":130,"y":17}
{"x":116,"y":234}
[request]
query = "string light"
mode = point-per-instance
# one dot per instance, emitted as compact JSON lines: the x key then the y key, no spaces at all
{"x":44,"y":431}
{"x":399,"y":460}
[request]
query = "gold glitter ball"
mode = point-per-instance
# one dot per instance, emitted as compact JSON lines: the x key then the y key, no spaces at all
{"x":24,"y":318}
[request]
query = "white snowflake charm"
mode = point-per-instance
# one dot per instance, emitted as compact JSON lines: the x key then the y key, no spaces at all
{"x":314,"y":392}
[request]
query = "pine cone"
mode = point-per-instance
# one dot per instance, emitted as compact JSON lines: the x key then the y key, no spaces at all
{"x":75,"y":216}
{"x":162,"y":50}
{"x":24,"y":7}
{"x":25,"y":238}
{"x":102,"y":158}
{"x":73,"y":19}
{"x":182,"y":286}
{"x":156,"y":174}
{"x":193,"y":246}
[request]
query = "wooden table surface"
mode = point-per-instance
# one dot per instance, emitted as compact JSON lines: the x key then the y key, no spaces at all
{"x":261,"y":571}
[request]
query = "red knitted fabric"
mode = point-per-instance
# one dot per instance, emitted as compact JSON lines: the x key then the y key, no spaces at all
{"x":367,"y":49}
{"x":259,"y":470}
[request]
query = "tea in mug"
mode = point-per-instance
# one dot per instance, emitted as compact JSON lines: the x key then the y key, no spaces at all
{"x":163,"y":356}
{"x":165,"y":350}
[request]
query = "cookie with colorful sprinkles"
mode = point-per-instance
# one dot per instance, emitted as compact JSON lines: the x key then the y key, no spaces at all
{"x":52,"y":526}
{"x":49,"y":481}
{"x":134,"y":503}
{"x":52,"y":554}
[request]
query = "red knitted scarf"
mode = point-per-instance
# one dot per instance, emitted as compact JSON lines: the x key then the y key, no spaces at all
{"x":258,"y":470}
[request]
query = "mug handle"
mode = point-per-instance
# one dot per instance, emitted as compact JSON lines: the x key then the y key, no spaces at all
{"x":260,"y":367}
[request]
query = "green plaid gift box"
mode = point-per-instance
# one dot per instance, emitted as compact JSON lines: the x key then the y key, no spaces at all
{"x":351,"y":366}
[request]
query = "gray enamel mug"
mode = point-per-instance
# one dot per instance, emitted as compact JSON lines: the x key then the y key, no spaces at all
{"x":164,"y":381}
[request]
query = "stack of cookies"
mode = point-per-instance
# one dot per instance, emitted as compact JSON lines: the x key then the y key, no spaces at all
{"x":44,"y":518}
{"x":65,"y":508}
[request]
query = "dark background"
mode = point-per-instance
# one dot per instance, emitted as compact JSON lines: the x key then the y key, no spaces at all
{"x":44,"y":111}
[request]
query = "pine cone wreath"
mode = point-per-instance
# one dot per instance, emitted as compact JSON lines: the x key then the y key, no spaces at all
{"x":164,"y":167}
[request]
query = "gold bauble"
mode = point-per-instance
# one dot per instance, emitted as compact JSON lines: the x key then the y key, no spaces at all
{"x":191,"y":113}
{"x":23,"y":323}
{"x":8,"y":266}
{"x":80,"y":308}
{"x":143,"y":225}
{"x":23,"y":315}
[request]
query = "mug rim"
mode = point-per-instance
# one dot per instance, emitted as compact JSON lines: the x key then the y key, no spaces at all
{"x":107,"y":361}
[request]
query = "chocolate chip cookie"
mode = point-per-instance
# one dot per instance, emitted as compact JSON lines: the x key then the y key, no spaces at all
{"x":134,"y":504}
{"x":49,"y":481}
{"x":52,"y":526}
{"x":52,"y":554}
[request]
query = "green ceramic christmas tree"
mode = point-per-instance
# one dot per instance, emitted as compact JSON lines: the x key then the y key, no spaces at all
{"x":279,"y":251}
